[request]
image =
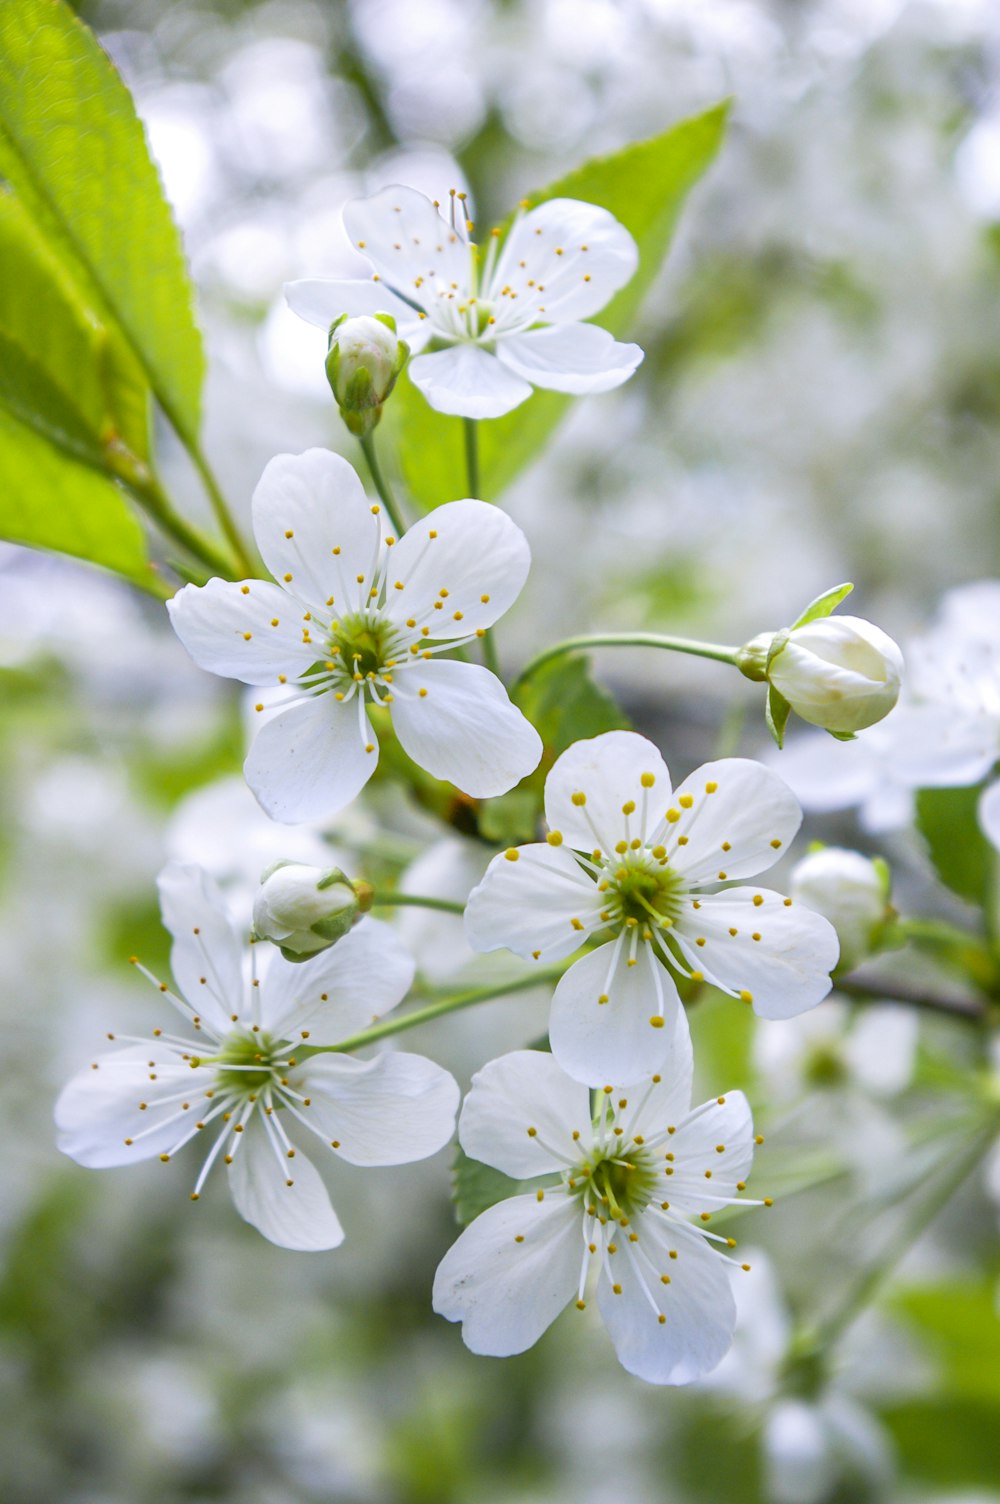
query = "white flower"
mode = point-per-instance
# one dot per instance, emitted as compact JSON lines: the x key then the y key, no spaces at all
{"x":626,"y":854}
{"x":626,"y":1177}
{"x":357,"y":614}
{"x":362,"y":364}
{"x":305,"y":909}
{"x":502,"y":323}
{"x":851,"y":891}
{"x":838,"y":672}
{"x":239,"y":1077}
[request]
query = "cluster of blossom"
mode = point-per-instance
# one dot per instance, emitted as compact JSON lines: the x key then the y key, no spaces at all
{"x":637,"y":885}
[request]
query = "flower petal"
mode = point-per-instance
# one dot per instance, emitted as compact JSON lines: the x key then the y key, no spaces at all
{"x":467,"y":381}
{"x":609,"y":771}
{"x":935,"y":746}
{"x":311,"y":760}
{"x":464,"y":729}
{"x":521,"y":1114}
{"x":779,"y":953}
{"x":577,"y":358}
{"x":412,"y":248}
{"x":989,"y":814}
{"x":565,"y":260}
{"x":207,"y":954}
{"x":540,"y":905}
{"x":321,"y":302}
{"x":296,"y":1215}
{"x":511,"y":1273}
{"x":388,"y":1111}
{"x":342,"y":990}
{"x":250,"y":631}
{"x":665,"y":1098}
{"x":712,"y":1153}
{"x":615,"y":1040}
{"x":457,"y":570}
{"x":697,"y":1303}
{"x":98,"y":1112}
{"x":316,"y":532}
{"x":739,"y":821}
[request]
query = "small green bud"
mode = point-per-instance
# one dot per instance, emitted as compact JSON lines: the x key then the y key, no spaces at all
{"x":364,"y":359}
{"x":303,"y":910}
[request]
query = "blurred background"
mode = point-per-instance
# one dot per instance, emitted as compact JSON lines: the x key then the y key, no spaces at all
{"x":820,"y":400}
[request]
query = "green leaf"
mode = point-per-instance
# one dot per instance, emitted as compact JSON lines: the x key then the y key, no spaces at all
{"x":74,"y":151}
{"x":962,"y":856}
{"x":948,"y":1442}
{"x":50,"y":501}
{"x":958,"y":1325}
{"x":823,"y":605}
{"x":564,"y":705}
{"x":475,"y":1186}
{"x":82,"y":366}
{"x":644,"y":186}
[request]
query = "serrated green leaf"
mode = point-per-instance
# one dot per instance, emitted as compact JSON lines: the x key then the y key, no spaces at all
{"x":50,"y":501}
{"x":823,"y":605}
{"x":776,"y":713}
{"x":963,"y":858}
{"x":644,"y":186}
{"x":74,"y":151}
{"x":31,"y":396}
{"x":475,"y":1187}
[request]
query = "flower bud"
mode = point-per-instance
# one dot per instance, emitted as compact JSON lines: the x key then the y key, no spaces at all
{"x":840,"y":672}
{"x":306,"y":909}
{"x":364,"y":359}
{"x":849,"y":890}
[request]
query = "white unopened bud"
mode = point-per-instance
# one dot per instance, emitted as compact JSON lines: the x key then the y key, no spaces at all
{"x":303,"y":909}
{"x":849,"y":890}
{"x":841,"y":673}
{"x":364,"y":359}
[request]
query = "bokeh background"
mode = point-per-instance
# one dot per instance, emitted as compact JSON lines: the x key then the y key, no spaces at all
{"x":820,"y":400}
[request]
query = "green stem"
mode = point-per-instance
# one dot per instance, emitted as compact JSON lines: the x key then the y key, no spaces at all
{"x":150,"y":493}
{"x":472,"y":455}
{"x":435,"y":1010}
{"x":690,"y":645}
{"x":417,"y":901}
{"x":223,"y":516}
{"x":381,"y":484}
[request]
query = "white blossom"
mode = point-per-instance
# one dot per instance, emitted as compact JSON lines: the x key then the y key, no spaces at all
{"x":850,"y":890}
{"x":628,"y":857}
{"x":243,"y":1077}
{"x":492,"y":325}
{"x":838,"y":672}
{"x":305,"y":909}
{"x":626,"y":1173}
{"x":356,"y":616}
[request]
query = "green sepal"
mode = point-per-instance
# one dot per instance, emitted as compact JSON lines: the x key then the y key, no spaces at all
{"x":776,"y":713}
{"x":476,"y":1187}
{"x":842,"y":736}
{"x":823,"y":605}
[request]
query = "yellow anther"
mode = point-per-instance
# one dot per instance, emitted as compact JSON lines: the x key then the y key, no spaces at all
{"x":245,"y":589}
{"x":289,"y":533}
{"x":656,"y":1021}
{"x":554,"y":838}
{"x":685,"y":801}
{"x":629,"y":807}
{"x":512,"y":853}
{"x":673,"y":815}
{"x":659,"y":852}
{"x":579,"y":799}
{"x":775,"y":843}
{"x":746,"y":997}
{"x":758,"y":899}
{"x":710,"y":788}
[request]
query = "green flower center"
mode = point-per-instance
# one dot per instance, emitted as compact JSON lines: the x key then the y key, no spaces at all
{"x":360,"y":645}
{"x":620,"y":1182}
{"x":644,"y":890}
{"x":245,"y":1062}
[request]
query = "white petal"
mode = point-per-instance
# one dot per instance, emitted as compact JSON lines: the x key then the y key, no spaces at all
{"x":711,"y":1154}
{"x":229,"y":629}
{"x":697,"y":1303}
{"x":666,"y":1098}
{"x":460,"y":569}
{"x":881,"y":1048}
{"x":799,"y":1461}
{"x":305,"y":507}
{"x":614,"y":1041}
{"x":989,"y":814}
{"x":468,"y":382}
{"x":465,"y":728}
{"x":207,"y":955}
{"x":321,"y":302}
{"x":99,"y":1108}
{"x":577,"y":358}
{"x":311,"y":760}
{"x":525,"y":1090}
{"x":934,"y":746}
{"x":342,"y":990}
{"x":577,"y":283}
{"x":297,"y":1216}
{"x":388,"y":1111}
{"x":412,"y":248}
{"x":785,"y":971}
{"x":529,"y":905}
{"x":609,"y":770}
{"x":508,"y":1292}
{"x":738,"y":829}
{"x":826,"y":774}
